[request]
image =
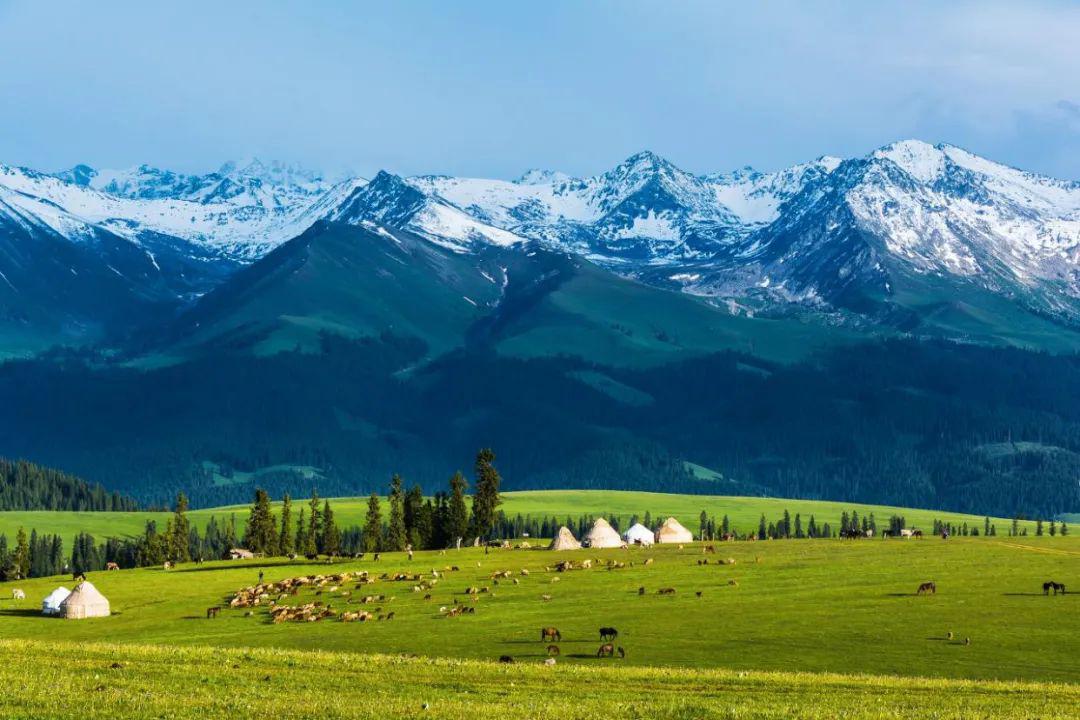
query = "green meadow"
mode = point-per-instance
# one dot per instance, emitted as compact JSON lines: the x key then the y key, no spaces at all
{"x":743,"y":512}
{"x":822,"y":606}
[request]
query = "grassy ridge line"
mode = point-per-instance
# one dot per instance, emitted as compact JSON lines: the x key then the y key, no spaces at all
{"x":59,"y":680}
{"x":743,"y":511}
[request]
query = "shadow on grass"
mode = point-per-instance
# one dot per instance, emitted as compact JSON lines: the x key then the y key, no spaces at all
{"x":1034,"y":594}
{"x":901,"y":594}
{"x":23,"y":612}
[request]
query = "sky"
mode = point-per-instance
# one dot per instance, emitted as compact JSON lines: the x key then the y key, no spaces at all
{"x":491,"y":89}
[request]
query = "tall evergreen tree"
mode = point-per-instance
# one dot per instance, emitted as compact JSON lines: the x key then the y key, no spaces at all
{"x":177,"y":545}
{"x":331,"y":535}
{"x":314,"y":528}
{"x":285,"y":540}
{"x":302,"y":543}
{"x":396,"y":536}
{"x":261,"y":533}
{"x":763,"y":531}
{"x":414,"y":508}
{"x":373,"y":525}
{"x":486,"y":496}
{"x":457,"y":521}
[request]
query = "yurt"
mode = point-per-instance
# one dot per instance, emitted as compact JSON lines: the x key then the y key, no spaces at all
{"x":83,"y":602}
{"x":565,"y":540}
{"x":639,"y":535}
{"x":51,"y":604}
{"x":672,"y":531}
{"x":602,"y":535}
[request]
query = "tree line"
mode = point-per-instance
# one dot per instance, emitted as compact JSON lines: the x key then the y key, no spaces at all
{"x":26,"y":486}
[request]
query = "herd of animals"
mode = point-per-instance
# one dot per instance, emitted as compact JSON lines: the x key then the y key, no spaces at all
{"x":275,"y":596}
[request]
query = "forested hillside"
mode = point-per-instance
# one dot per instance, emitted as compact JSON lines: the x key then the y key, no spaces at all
{"x":925,"y":424}
{"x":26,"y":486}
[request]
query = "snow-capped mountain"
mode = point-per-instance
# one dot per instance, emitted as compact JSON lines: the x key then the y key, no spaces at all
{"x":892,"y":236}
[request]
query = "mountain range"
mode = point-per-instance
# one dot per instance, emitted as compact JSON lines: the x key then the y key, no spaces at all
{"x":900,"y":328}
{"x":912,"y":238}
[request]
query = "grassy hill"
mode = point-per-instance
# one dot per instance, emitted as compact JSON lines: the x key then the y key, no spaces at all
{"x":743,"y":512}
{"x":96,"y":681}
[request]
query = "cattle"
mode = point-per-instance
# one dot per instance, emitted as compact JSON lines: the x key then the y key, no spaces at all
{"x":550,"y":634}
{"x":169,"y":565}
{"x":18,"y":594}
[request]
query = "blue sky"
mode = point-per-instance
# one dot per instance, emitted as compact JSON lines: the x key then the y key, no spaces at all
{"x":493,"y":88}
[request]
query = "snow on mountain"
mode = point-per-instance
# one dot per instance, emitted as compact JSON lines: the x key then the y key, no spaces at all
{"x":389,"y":200}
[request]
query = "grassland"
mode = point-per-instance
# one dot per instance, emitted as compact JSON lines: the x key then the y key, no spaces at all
{"x":743,"y":512}
{"x":118,"y":682}
{"x":819,"y":606}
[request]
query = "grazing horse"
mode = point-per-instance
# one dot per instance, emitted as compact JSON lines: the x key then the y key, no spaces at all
{"x":666,"y":591}
{"x":213,"y":612}
{"x":550,"y":634}
{"x":927,"y":587}
{"x":621,"y":652}
{"x":18,"y":594}
{"x":1055,"y":586}
{"x":608,"y":633}
{"x":112,"y":566}
{"x":169,"y":565}
{"x":505,"y":659}
{"x":552,"y":649}
{"x":606,"y":650}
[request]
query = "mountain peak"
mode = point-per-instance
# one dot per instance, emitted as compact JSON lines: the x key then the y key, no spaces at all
{"x":917,"y":158}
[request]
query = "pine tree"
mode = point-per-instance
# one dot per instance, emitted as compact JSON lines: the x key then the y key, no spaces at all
{"x":285,"y":540}
{"x":373,"y":525}
{"x":703,"y":525}
{"x":762,"y":531}
{"x":798,"y":526}
{"x":1015,"y":527}
{"x":414,"y":520}
{"x":986,"y":525}
{"x":396,"y":536}
{"x":457,"y":524}
{"x":787,"y":524}
{"x":1038,"y":527}
{"x":301,"y":534}
{"x":725,"y":525}
{"x":331,"y":535}
{"x":314,"y":530}
{"x":486,"y":497}
{"x":261,"y":533}
{"x":1053,"y":528}
{"x":21,"y":556}
{"x":1064,"y":529}
{"x":177,"y":546}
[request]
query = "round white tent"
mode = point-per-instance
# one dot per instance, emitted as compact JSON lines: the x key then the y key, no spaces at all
{"x":639,"y":535}
{"x":672,"y":531}
{"x":602,"y":535}
{"x":83,"y":602}
{"x":565,"y":540}
{"x":51,"y":604}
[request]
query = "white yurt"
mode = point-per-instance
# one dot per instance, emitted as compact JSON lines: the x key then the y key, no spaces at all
{"x":565,"y":540}
{"x":672,"y":531}
{"x":51,"y":604}
{"x":639,"y":535}
{"x":83,"y":602}
{"x":602,"y":535}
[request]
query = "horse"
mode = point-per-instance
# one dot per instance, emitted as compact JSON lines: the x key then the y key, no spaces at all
{"x":552,"y":649}
{"x":606,"y":650}
{"x":213,"y":612}
{"x":927,"y":587}
{"x":666,"y":591}
{"x":505,"y":659}
{"x":550,"y":633}
{"x":1055,"y":586}
{"x":169,"y":565}
{"x":18,"y":594}
{"x":608,"y":633}
{"x":112,"y":566}
{"x":78,"y":576}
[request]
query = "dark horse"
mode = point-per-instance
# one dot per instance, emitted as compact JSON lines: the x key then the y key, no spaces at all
{"x":608,"y":633}
{"x":927,"y":587}
{"x":851,"y":534}
{"x":1055,"y":586}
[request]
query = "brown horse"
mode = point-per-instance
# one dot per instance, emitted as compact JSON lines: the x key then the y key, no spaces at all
{"x":213,"y":612}
{"x":112,"y":566}
{"x":552,"y":649}
{"x":927,"y":587}
{"x":550,"y":634}
{"x":606,"y":650}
